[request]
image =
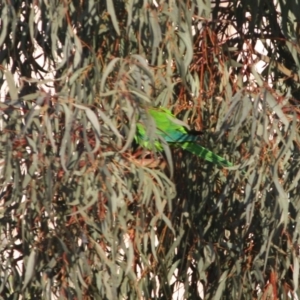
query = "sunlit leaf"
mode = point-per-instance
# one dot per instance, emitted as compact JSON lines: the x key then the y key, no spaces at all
{"x":30,"y":267}
{"x":111,"y":11}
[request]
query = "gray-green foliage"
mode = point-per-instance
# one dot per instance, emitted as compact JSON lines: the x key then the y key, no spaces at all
{"x":86,"y":214}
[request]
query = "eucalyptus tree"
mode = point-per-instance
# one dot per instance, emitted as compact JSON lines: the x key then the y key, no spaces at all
{"x":86,"y":212}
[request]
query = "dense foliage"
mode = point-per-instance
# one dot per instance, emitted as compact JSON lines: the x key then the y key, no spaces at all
{"x":85,"y":213}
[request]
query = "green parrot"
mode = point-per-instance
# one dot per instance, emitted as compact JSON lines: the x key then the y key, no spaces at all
{"x":174,"y":132}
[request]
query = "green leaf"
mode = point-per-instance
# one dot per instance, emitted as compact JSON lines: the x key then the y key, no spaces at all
{"x":12,"y":89}
{"x":107,"y":70}
{"x":30,"y":267}
{"x":221,"y":286}
{"x":111,"y":11}
{"x":66,"y":136}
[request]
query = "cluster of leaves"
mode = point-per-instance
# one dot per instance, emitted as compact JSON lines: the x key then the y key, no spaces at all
{"x":86,"y":213}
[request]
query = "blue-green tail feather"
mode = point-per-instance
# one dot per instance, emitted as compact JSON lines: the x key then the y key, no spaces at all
{"x":206,"y":154}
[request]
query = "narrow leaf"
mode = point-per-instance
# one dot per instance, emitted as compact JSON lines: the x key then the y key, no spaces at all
{"x":111,"y":11}
{"x":30,"y":268}
{"x":12,"y":89}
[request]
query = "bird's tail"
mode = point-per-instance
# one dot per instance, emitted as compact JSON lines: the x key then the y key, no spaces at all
{"x":206,"y":154}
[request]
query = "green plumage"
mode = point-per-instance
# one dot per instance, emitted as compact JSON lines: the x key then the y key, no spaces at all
{"x":176,"y":134}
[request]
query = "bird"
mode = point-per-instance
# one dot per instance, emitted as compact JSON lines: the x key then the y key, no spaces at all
{"x":176,"y":134}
